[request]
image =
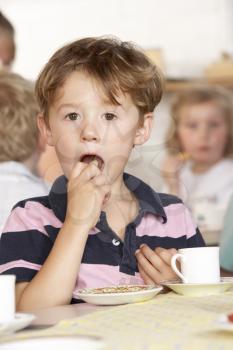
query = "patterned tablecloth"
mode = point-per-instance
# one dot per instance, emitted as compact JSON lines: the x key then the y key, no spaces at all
{"x":167,"y":322}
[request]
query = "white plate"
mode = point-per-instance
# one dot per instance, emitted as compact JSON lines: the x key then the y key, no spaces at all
{"x":200,"y":289}
{"x":56,"y":343}
{"x":20,"y":321}
{"x":95,"y":296}
{"x":224,"y":324}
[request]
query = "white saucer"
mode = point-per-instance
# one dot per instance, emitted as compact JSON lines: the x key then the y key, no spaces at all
{"x":200,"y":289}
{"x":56,"y":343}
{"x":20,"y":321}
{"x":115,"y":297}
{"x":224,"y":324}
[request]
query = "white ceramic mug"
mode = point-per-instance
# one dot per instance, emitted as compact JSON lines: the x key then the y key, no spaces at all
{"x":198,"y":265}
{"x":7,"y":298}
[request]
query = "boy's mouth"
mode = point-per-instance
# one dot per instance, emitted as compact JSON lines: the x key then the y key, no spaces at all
{"x":88,"y":158}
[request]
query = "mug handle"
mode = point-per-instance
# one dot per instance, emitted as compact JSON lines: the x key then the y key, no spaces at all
{"x":174,"y":267}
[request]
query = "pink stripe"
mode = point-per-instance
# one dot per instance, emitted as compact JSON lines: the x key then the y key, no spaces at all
{"x":34,"y":216}
{"x":19,"y":263}
{"x":94,"y":231}
{"x":179,"y":223}
{"x":97,"y":275}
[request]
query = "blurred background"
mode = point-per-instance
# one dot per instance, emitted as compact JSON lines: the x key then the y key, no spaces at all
{"x":191,"y":34}
{"x":190,"y":40}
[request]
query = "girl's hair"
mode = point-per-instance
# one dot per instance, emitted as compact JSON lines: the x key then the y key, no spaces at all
{"x":18,"y":111}
{"x":7,"y":31}
{"x":115,"y":65}
{"x":198,"y":95}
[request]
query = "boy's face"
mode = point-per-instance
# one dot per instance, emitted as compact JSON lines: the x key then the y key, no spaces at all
{"x":85,"y":126}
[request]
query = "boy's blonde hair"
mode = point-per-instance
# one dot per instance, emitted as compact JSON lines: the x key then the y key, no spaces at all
{"x":198,"y":95}
{"x":115,"y":65}
{"x":18,"y":112}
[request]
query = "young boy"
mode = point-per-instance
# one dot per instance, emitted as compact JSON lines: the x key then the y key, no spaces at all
{"x":97,"y":97}
{"x":20,"y":143}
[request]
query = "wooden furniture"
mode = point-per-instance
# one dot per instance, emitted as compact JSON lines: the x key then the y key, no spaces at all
{"x":178,"y":85}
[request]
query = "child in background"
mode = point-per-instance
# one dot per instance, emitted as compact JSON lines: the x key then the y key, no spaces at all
{"x":199,"y":167}
{"x":20,"y":144}
{"x":7,"y":42}
{"x":99,"y":226}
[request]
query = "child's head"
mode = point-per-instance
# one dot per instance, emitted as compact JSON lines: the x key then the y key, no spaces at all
{"x":202,"y":124}
{"x":7,"y":42}
{"x":108,"y":89}
{"x":18,"y":112}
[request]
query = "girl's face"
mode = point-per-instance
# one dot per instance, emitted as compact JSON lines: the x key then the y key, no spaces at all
{"x":203,"y":132}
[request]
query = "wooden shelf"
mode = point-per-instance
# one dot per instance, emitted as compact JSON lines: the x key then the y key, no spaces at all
{"x":178,"y":85}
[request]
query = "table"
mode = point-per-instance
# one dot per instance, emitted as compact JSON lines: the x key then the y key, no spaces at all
{"x":167,"y":322}
{"x":51,"y":316}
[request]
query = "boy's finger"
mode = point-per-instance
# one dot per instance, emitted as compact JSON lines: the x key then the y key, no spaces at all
{"x":149,"y":268}
{"x":144,"y":276}
{"x":164,"y":254}
{"x":173,"y":251}
{"x":77,"y":169}
{"x":85,"y":172}
{"x":100,"y":180}
{"x":152,"y":257}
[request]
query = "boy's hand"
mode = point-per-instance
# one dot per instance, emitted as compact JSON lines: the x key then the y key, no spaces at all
{"x":88,"y":191}
{"x":155,"y":265}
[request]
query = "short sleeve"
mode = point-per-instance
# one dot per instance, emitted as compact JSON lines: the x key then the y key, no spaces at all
{"x":25,"y":242}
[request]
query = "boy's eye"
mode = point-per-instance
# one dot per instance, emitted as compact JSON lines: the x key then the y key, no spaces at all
{"x":109,"y":116}
{"x":72,"y":116}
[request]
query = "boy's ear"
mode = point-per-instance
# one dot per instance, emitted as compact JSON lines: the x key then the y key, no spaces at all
{"x":44,"y":129}
{"x":144,"y":129}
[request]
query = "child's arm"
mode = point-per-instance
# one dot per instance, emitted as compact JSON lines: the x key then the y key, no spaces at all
{"x":170,"y":172}
{"x":54,"y":283}
{"x":155,"y":265}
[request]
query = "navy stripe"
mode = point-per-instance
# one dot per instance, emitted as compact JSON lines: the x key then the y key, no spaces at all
{"x":43,"y":200}
{"x":98,"y":251}
{"x":31,"y":246}
{"x":22,"y":274}
{"x":52,"y":232}
{"x":196,"y":240}
{"x":168,"y":199}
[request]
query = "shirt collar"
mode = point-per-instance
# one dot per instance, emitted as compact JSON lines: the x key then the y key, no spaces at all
{"x":149,"y":200}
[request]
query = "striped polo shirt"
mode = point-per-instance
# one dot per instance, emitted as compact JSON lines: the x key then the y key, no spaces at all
{"x":32,"y":227}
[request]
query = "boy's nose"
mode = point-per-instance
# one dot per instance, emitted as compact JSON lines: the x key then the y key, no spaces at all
{"x":89,"y":133}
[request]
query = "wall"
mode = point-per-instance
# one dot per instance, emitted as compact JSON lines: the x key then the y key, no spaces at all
{"x":191,"y":33}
